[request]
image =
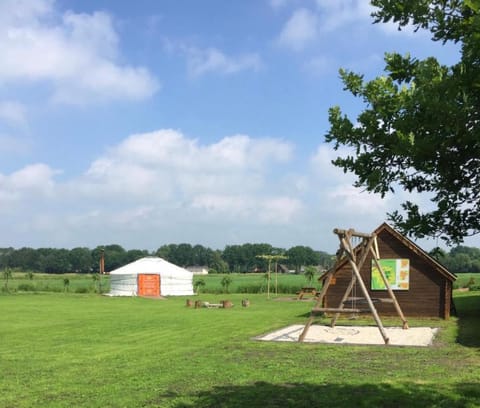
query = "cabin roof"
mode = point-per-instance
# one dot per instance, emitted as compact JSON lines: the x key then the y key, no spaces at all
{"x":412,"y":247}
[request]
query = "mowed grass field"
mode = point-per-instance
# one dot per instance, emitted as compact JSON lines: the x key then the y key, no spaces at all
{"x":87,"y":350}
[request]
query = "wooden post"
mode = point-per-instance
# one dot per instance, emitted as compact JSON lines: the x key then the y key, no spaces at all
{"x":377,"y":252}
{"x":328,"y":279}
{"x":268,"y":280}
{"x":356,"y":258}
{"x":276,"y":278}
{"x":365,"y":293}
{"x":102,"y":261}
{"x":390,"y":292}
{"x":360,"y":263}
{"x":351,"y":232}
{"x":226,"y":304}
{"x":269,"y":258}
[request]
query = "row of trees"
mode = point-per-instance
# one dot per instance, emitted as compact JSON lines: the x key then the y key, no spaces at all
{"x":234,"y":258}
{"x":80,"y":260}
{"x":459,"y":259}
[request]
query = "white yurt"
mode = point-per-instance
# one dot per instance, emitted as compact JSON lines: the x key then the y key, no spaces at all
{"x":151,"y":276}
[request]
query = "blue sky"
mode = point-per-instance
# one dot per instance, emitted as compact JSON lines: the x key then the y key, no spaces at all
{"x":152,"y":122}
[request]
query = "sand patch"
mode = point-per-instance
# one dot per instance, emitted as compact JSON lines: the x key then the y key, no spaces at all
{"x":415,"y":336}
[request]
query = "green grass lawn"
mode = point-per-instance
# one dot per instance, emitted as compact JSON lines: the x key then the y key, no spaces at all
{"x":72,"y":350}
{"x":464,"y":278}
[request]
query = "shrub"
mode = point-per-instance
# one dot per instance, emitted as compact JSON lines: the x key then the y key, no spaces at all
{"x":310,"y":274}
{"x":200,"y":283}
{"x":249,"y":289}
{"x":26,"y":287}
{"x":55,"y":289}
{"x":226,"y":281}
{"x":289,"y":288}
{"x":81,"y":289}
{"x":281,"y":288}
{"x":7,"y":275}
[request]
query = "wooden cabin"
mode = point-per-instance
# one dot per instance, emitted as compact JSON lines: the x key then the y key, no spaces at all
{"x":423,"y":290}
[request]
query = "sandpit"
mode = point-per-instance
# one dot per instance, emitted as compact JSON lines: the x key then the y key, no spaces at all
{"x":367,"y":335}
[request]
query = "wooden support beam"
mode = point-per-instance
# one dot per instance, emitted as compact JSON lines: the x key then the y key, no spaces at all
{"x":318,"y":302}
{"x":390,"y":291}
{"x":366,"y":295}
{"x":363,"y":300}
{"x":351,"y":232}
{"x":356,"y":257}
{"x":339,"y":310}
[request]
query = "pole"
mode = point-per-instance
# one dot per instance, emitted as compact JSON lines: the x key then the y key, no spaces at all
{"x":276,"y":278}
{"x":268,"y":280}
{"x":270,"y":258}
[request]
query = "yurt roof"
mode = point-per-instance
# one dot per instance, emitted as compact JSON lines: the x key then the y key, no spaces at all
{"x":151,"y":264}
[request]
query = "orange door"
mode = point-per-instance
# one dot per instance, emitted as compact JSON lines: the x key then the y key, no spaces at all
{"x":148,"y":285}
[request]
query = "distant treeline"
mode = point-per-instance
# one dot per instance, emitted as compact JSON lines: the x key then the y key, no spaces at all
{"x":234,"y":258}
{"x":461,"y":259}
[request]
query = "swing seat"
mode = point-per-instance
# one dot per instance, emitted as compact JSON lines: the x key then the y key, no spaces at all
{"x":363,"y":300}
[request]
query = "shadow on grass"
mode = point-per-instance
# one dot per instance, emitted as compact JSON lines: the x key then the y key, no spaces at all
{"x":263,"y":394}
{"x":468,"y":309}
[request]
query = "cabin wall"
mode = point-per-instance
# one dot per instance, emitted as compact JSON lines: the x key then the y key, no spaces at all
{"x":429,"y":292}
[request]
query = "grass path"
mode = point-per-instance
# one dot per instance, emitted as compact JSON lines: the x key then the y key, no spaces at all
{"x":65,"y":350}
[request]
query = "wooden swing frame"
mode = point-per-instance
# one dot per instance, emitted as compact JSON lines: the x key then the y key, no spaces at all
{"x":356,"y":256}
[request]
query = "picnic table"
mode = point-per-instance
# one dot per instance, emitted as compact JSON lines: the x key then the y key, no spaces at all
{"x":307,"y":291}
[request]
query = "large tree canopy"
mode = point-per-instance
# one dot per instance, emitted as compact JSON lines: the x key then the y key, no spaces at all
{"x":420,"y":129}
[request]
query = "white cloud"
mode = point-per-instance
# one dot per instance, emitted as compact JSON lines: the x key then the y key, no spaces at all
{"x":277,"y":210}
{"x":14,"y":145}
{"x":135,"y":216}
{"x":211,"y":60}
{"x":171,"y":148}
{"x":340,"y":204}
{"x":299,"y":30}
{"x":153,"y":182}
{"x":321,"y":65}
{"x":305,"y":26}
{"x":280,"y":210}
{"x":278,"y":4}
{"x":322,"y":167}
{"x":26,"y":185}
{"x":13,"y":113}
{"x":167,"y":167}
{"x":334,"y":14}
{"x":76,"y":53}
{"x":349,"y":199}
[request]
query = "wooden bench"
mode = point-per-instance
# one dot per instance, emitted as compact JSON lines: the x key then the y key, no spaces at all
{"x":307,"y":291}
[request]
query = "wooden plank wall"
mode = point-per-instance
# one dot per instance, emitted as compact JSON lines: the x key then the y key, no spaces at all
{"x":429,"y":294}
